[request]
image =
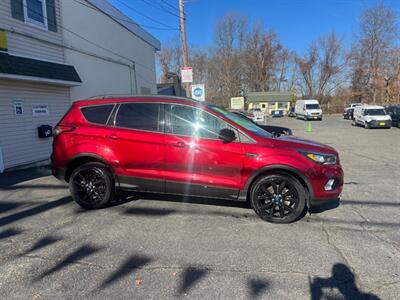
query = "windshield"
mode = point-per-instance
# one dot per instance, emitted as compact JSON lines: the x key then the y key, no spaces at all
{"x":375,"y":112}
{"x":312,"y":106}
{"x":241,"y":121}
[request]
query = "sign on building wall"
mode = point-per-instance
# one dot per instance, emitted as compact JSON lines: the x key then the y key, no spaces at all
{"x":187,"y":74}
{"x":18,"y":108}
{"x":198,"y":92}
{"x":40,"y":109}
{"x":237,"y":103}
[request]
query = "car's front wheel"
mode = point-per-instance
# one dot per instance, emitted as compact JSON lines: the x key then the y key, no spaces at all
{"x":278,"y":198}
{"x":91,"y":185}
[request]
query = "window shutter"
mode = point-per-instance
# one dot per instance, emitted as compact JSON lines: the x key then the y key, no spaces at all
{"x":17,"y":9}
{"x":51,"y":15}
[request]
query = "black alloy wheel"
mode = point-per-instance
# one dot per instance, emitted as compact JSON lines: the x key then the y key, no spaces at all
{"x":278,"y":198}
{"x":91,"y":185}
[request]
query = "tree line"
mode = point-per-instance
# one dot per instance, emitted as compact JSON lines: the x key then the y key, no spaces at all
{"x":247,"y":57}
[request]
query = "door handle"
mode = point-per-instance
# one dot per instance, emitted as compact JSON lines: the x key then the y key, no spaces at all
{"x":180,"y":145}
{"x":112,"y":137}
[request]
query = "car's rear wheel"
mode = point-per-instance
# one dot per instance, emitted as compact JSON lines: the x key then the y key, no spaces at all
{"x":92,"y":185}
{"x":278,"y":198}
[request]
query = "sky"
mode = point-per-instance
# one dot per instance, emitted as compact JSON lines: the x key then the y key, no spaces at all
{"x":297,"y":22}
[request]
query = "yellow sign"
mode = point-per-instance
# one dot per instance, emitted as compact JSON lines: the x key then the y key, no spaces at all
{"x":237,"y":103}
{"x":3,"y":41}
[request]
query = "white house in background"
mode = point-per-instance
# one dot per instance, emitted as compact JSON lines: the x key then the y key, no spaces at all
{"x":55,"y":51}
{"x":111,"y":53}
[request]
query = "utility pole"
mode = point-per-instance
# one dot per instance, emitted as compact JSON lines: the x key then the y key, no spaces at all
{"x":184,"y":46}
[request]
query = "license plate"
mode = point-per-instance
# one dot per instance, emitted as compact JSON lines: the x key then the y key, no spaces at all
{"x":382,"y":124}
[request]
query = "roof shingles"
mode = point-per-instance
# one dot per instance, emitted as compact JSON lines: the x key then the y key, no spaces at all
{"x":16,"y":65}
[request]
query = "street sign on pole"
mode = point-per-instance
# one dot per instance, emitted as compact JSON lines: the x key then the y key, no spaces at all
{"x":198,"y":92}
{"x":187,"y":74}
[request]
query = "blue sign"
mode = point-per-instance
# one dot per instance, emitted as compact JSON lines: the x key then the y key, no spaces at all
{"x":198,"y":92}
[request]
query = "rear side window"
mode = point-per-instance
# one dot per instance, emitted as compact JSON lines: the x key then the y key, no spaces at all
{"x":97,"y":114}
{"x":140,"y":116}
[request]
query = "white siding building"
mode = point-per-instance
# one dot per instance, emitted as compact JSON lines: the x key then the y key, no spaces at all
{"x":112,"y":54}
{"x":55,"y":51}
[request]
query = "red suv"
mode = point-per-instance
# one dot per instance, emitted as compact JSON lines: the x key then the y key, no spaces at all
{"x":181,"y":146}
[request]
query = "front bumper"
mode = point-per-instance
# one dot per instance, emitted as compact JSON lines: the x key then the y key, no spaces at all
{"x":318,"y":178}
{"x":380,"y":124}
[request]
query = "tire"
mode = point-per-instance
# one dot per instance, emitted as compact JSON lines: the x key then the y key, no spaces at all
{"x":92,"y":185}
{"x":278,"y":198}
{"x":353,"y":123}
{"x":366,"y":126}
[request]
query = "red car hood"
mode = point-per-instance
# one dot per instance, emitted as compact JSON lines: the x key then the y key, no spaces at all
{"x":302,"y":144}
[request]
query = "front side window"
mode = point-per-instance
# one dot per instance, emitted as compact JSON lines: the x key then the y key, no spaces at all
{"x":244,"y":122}
{"x":194,"y":122}
{"x":139,"y":116}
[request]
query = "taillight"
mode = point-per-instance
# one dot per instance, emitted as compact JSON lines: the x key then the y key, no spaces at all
{"x":62,"y":128}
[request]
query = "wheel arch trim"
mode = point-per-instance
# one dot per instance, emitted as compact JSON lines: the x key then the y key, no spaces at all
{"x":276,"y":167}
{"x":91,"y":155}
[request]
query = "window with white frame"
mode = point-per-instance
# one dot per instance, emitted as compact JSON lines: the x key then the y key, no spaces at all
{"x":35,"y":12}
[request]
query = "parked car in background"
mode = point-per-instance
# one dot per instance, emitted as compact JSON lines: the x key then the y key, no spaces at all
{"x":275,"y":130}
{"x":353,"y":105}
{"x":308,"y":110}
{"x":182,"y":146}
{"x":348,"y":113}
{"x":371,"y":116}
{"x":277,"y":113}
{"x":291,"y":113}
{"x":255,"y":114}
{"x":394,"y":112}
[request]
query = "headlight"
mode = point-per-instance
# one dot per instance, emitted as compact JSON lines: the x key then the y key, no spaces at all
{"x":320,"y":158}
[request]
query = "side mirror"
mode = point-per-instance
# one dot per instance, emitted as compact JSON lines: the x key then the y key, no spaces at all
{"x":227,"y":135}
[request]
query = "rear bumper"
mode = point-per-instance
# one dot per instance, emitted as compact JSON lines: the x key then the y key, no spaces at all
{"x":59,"y":173}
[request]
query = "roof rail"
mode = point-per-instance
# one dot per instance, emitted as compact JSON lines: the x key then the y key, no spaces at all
{"x":106,"y":96}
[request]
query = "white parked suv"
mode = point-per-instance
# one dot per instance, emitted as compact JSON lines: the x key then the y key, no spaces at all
{"x":371,"y":116}
{"x":255,"y":114}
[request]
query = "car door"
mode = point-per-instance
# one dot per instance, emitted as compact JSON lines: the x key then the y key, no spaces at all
{"x":137,"y":140}
{"x":197,"y":161}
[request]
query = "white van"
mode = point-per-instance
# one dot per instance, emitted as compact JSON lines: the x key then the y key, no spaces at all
{"x":308,"y":110}
{"x":371,"y":116}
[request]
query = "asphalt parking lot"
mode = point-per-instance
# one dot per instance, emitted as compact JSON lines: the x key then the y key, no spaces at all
{"x":171,"y":247}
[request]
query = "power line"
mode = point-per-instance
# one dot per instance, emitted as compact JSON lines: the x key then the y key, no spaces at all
{"x":143,"y":15}
{"x":90,"y":42}
{"x":170,"y":5}
{"x":126,"y":20}
{"x":160,"y":7}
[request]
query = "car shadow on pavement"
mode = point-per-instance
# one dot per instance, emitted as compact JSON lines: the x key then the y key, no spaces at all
{"x":343,"y":280}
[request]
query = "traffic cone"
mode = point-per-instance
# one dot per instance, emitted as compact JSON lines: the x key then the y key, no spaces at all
{"x":309,"y":127}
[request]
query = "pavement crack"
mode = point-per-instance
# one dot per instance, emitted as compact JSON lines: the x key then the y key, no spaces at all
{"x":372,"y":233}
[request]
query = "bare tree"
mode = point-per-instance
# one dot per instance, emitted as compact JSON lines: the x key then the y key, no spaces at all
{"x":225,"y":67}
{"x":322,"y":68}
{"x":264,"y":60}
{"x":170,"y":59}
{"x":371,"y":53}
